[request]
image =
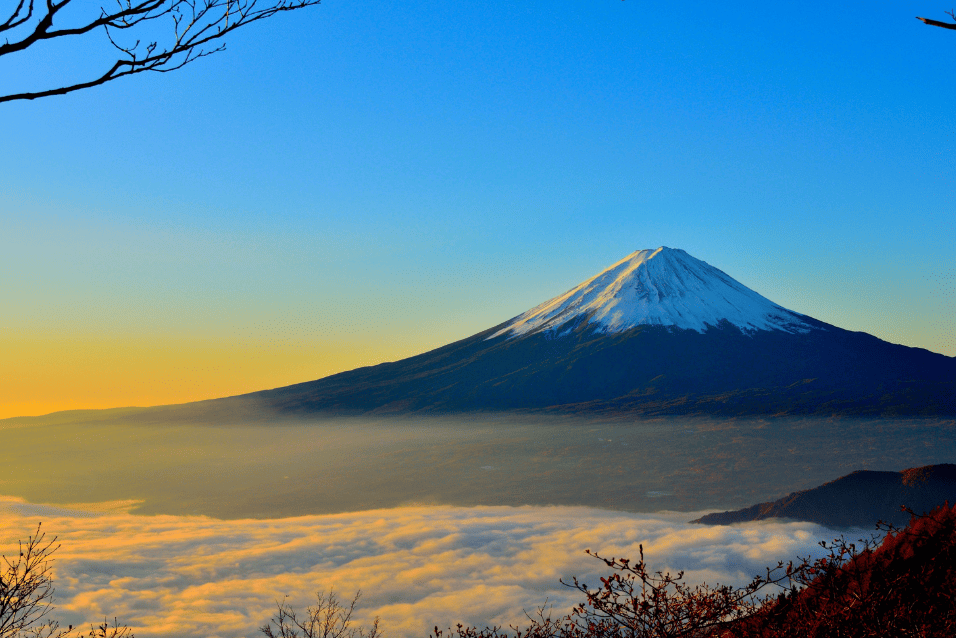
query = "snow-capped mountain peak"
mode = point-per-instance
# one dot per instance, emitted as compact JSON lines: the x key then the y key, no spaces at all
{"x":663,"y":286}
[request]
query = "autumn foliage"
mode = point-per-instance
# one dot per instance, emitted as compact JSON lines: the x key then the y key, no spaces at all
{"x":901,"y":586}
{"x":906,"y":586}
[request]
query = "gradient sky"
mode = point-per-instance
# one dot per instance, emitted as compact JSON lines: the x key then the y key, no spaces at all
{"x":363,"y":181}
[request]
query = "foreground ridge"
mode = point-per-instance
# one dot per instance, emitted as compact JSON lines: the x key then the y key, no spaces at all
{"x":900,"y":585}
{"x":859,"y":499}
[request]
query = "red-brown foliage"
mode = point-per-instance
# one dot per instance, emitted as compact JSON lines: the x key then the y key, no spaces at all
{"x":901,"y":587}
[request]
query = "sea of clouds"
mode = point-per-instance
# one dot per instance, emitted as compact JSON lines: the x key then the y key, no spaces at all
{"x":417,"y":567}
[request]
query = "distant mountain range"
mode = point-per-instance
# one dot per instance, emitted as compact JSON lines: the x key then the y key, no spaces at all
{"x":657,"y":333}
{"x":859,"y":499}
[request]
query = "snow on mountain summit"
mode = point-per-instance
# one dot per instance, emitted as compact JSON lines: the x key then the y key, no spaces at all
{"x":663,"y":286}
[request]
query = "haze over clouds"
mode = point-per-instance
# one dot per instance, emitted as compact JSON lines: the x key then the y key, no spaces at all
{"x":417,"y":566}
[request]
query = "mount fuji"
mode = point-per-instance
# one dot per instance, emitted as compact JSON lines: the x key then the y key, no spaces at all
{"x":663,"y":287}
{"x":659,"y":332}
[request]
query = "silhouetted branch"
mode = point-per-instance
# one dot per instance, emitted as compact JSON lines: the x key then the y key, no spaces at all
{"x":328,"y":619}
{"x":26,"y":595}
{"x":195,"y":31}
{"x":937,"y":23}
{"x":26,"y":588}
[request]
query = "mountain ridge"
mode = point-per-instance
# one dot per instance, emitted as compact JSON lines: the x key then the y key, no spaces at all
{"x":566,"y":358}
{"x":859,"y":499}
{"x":644,"y":371}
{"x":674,"y":354}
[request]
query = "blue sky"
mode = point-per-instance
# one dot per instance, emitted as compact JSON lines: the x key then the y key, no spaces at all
{"x":363,"y":181}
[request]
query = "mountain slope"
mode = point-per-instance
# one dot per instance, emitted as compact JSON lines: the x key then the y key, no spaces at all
{"x":656,"y":333}
{"x":859,"y":499}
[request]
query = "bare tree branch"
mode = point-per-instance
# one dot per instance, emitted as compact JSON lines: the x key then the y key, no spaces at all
{"x":18,"y":17}
{"x":26,"y":595}
{"x":26,"y":589}
{"x":328,"y":619}
{"x":196,"y":28}
{"x":937,"y":23}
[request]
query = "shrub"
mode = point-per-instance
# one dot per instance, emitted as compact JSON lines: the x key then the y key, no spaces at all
{"x":328,"y":619}
{"x":903,"y":586}
{"x":26,"y":595}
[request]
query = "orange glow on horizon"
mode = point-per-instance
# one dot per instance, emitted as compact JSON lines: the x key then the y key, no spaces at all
{"x":44,"y":374}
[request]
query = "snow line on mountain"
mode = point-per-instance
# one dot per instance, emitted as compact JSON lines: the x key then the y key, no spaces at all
{"x":663,"y":286}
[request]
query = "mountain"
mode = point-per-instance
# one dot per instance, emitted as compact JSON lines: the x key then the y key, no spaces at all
{"x":859,"y":499}
{"x":657,"y":333}
{"x":663,"y":287}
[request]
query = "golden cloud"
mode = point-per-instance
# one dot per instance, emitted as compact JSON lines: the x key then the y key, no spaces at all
{"x":417,"y":566}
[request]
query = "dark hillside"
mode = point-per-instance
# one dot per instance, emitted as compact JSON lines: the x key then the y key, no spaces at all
{"x":860,"y":499}
{"x":903,"y":587}
{"x":650,"y":370}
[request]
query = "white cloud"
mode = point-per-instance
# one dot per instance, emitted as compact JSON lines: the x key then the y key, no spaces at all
{"x":417,"y":566}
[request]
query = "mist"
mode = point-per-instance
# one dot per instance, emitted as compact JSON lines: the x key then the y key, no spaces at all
{"x":185,"y":528}
{"x":267,"y":469}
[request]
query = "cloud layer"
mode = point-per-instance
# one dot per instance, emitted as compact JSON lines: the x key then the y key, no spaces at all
{"x":417,"y":566}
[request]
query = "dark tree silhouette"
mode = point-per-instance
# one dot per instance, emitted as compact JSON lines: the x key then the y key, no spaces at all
{"x":328,"y":619}
{"x":145,"y":35}
{"x":937,"y":23}
{"x":636,"y":602}
{"x":26,"y":589}
{"x":26,"y":595}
